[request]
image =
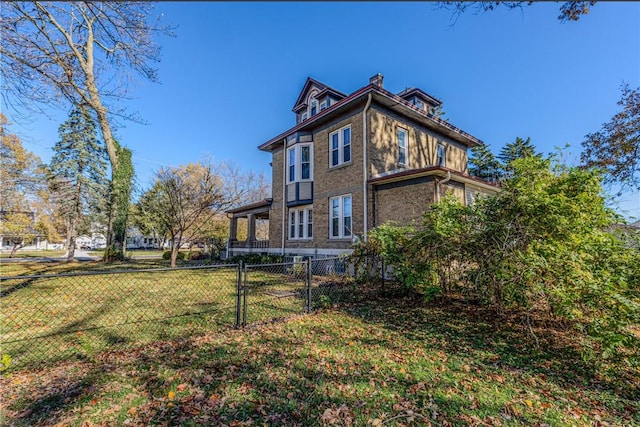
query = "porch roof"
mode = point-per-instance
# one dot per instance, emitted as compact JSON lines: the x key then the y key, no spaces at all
{"x":259,"y":209}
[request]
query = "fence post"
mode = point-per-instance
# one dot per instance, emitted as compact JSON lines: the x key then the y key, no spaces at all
{"x":308,"y":280}
{"x":244,"y":302}
{"x":238,"y":293}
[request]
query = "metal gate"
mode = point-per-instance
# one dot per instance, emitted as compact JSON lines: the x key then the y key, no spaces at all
{"x":272,"y":291}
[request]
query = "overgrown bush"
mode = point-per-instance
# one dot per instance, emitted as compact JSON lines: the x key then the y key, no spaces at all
{"x":539,"y":244}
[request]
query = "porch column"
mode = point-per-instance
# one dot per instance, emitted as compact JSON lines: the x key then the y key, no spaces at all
{"x":251,"y":228}
{"x":233,"y":229}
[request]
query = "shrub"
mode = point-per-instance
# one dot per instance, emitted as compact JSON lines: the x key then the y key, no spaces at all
{"x":539,"y":244}
{"x":256,"y":259}
{"x":167,"y":255}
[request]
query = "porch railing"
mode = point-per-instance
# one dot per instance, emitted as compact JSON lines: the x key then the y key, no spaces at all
{"x":246,"y":244}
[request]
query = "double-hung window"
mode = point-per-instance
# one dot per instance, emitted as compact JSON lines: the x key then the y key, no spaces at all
{"x":442,"y":159}
{"x":340,"y":146}
{"x":402,"y":147}
{"x":300,"y":223}
{"x":292,"y":164}
{"x":300,"y":155}
{"x":340,"y":225}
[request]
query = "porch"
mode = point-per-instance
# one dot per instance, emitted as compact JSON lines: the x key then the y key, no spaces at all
{"x":252,"y":213}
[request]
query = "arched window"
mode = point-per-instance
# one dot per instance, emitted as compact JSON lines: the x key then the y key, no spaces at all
{"x":313,"y":105}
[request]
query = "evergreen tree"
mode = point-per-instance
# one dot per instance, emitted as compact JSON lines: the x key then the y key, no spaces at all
{"x":483,"y":164}
{"x":78,"y":174}
{"x":518,"y":149}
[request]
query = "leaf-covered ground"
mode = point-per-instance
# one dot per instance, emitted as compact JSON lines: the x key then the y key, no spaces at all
{"x":382,"y":362}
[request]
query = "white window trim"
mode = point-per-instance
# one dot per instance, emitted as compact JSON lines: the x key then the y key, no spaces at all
{"x":406,"y":146}
{"x":341,"y":217}
{"x":340,"y":147}
{"x":298,"y":163}
{"x":296,"y":224}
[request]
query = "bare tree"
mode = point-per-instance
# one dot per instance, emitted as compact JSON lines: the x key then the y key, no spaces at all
{"x":188,"y":202}
{"x":84,"y":53}
{"x":569,"y":10}
{"x":185,"y":197}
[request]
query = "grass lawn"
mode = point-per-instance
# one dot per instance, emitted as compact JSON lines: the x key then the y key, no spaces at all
{"x":34,"y":254}
{"x":391,"y":361}
{"x":133,"y":253}
{"x":60,"y":316}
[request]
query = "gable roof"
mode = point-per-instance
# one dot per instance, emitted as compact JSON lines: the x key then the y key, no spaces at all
{"x":322,"y":90}
{"x":305,"y":90}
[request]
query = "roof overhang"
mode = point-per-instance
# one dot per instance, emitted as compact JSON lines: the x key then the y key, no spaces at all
{"x":259,"y":209}
{"x":421,"y":94}
{"x":387,"y":99}
{"x":439,"y":171}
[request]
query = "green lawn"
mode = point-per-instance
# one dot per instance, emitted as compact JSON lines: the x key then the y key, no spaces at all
{"x":60,"y":316}
{"x":34,"y":254}
{"x":377,"y":362}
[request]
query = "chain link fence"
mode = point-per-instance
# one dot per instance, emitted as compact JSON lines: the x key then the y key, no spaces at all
{"x":46,"y":318}
{"x":63,"y":316}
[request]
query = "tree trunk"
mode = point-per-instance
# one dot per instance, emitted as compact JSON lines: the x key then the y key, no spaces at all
{"x":16,"y":246}
{"x":71,"y":242}
{"x":175,"y":248}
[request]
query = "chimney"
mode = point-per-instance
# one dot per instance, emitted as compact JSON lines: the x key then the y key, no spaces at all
{"x":376,"y":80}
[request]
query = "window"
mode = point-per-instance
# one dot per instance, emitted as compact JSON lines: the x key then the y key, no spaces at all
{"x":300,"y":223}
{"x":292,"y":164}
{"x":323,"y":106}
{"x":402,"y":147}
{"x":340,"y":146}
{"x":300,"y":154}
{"x":441,"y":160}
{"x":304,"y":117}
{"x":314,"y":108}
{"x":305,"y":161}
{"x":340,"y":226}
{"x":418,"y":103}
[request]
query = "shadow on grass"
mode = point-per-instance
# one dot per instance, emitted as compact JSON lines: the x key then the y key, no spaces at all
{"x":504,"y":342}
{"x":358,"y":368}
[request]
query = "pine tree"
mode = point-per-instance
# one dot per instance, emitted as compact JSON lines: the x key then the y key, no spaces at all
{"x":518,"y":149}
{"x":78,"y":174}
{"x":483,"y":164}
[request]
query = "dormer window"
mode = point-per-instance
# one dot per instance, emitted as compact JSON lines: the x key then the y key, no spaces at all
{"x":441,"y":159}
{"x":418,"y":103}
{"x":314,"y":108}
{"x":304,"y":117}
{"x":323,"y":106}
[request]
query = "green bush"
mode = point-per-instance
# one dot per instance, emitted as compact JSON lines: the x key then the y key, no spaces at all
{"x":256,"y":259}
{"x":167,"y":255}
{"x":540,"y":244}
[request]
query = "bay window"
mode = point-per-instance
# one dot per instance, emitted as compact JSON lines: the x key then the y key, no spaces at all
{"x":300,"y":155}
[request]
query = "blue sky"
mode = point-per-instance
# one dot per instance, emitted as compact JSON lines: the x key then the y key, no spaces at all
{"x":231,"y":75}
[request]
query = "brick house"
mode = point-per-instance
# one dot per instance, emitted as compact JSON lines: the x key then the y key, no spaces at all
{"x":353,"y":162}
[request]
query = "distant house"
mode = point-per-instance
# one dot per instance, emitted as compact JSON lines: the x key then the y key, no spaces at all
{"x":353,"y":162}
